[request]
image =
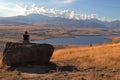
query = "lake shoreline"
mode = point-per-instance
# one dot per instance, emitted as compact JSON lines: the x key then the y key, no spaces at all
{"x":76,"y":40}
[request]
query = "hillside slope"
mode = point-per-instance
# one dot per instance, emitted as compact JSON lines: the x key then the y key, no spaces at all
{"x":100,"y":62}
{"x":101,"y":56}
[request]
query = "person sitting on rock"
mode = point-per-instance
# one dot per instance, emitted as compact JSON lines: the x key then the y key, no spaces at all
{"x":26,"y":37}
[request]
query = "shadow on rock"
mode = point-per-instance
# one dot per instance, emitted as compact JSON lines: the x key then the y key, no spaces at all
{"x":68,"y":68}
{"x":38,"y":69}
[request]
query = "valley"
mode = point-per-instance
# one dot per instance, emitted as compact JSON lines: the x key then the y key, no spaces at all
{"x":14,"y":33}
{"x":75,"y":62}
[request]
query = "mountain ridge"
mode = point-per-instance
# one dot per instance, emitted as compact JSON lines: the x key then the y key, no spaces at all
{"x":38,"y":19}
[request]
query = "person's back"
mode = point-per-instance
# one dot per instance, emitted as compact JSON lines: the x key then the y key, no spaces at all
{"x":26,"y":37}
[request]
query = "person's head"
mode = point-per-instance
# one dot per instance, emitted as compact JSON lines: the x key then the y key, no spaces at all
{"x":26,"y":32}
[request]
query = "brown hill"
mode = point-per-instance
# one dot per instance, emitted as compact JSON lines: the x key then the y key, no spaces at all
{"x":102,"y":56}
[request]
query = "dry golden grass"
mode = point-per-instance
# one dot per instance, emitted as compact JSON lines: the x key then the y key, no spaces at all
{"x":83,"y":57}
{"x":101,"y":56}
{"x":0,"y":62}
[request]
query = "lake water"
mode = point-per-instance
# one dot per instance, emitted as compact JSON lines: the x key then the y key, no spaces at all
{"x":78,"y":40}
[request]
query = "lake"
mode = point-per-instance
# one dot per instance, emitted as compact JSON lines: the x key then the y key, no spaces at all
{"x":78,"y":40}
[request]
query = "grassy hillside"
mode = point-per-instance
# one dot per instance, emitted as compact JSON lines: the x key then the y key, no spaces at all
{"x":99,"y":62}
{"x":101,"y":56}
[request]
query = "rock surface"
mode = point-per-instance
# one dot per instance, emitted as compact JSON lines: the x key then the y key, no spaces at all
{"x":16,"y":54}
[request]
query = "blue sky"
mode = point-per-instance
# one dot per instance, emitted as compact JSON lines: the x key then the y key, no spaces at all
{"x":78,"y":9}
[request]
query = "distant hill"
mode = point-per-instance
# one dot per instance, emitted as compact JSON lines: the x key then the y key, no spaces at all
{"x":11,"y":21}
{"x":114,"y":24}
{"x":38,"y":19}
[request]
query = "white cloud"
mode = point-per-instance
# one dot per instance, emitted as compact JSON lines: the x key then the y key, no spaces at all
{"x":63,"y":1}
{"x":18,"y":10}
{"x":68,"y":1}
{"x":2,"y":7}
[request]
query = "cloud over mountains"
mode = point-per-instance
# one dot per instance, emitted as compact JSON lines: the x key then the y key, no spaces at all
{"x":64,"y":1}
{"x":34,"y":9}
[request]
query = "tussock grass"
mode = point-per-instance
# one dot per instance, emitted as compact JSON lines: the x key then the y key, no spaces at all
{"x":84,"y":58}
{"x":100,"y":56}
{"x":0,"y":59}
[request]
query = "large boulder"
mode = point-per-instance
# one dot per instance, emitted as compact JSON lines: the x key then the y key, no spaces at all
{"x":16,"y":54}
